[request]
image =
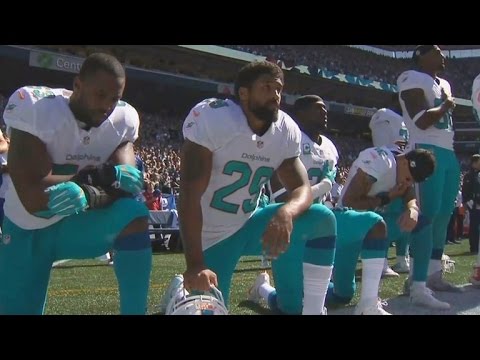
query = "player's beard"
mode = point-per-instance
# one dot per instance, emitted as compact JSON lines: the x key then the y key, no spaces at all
{"x":264,"y":113}
{"x":81,"y":113}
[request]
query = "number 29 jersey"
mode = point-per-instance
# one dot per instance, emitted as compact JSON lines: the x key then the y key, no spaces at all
{"x":242,"y":162}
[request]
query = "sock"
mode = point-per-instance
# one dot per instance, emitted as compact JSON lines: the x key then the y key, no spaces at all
{"x":133,"y":264}
{"x":371,"y":275}
{"x":434,"y":266}
{"x":265,"y":290}
{"x":418,"y":285}
{"x":315,"y":284}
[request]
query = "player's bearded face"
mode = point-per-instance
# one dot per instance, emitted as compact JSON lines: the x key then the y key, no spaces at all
{"x":98,"y":98}
{"x":267,"y":112}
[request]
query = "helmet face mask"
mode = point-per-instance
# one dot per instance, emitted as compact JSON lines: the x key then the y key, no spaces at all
{"x":448,"y":265}
{"x":210,"y":303}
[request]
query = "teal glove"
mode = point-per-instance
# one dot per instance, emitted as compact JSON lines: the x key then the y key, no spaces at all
{"x":66,"y":199}
{"x":129,"y":179}
{"x":329,"y":174}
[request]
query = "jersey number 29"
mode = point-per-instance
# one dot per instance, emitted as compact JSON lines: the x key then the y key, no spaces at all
{"x":255,"y":183}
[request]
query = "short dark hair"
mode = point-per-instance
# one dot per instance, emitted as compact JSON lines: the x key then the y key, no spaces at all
{"x":101,"y":62}
{"x":304,"y":102}
{"x":252,"y":71}
{"x":421,"y":50}
{"x":474,"y":159}
{"x":421,"y":163}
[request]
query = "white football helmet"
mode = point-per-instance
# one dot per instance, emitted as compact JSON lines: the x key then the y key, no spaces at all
{"x":448,"y":265}
{"x":210,"y":303}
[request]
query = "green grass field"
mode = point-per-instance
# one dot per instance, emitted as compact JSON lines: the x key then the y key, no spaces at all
{"x":89,"y":287}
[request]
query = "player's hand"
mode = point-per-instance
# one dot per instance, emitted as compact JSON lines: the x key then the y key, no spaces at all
{"x":408,"y":220}
{"x":66,"y":199}
{"x":398,"y":190}
{"x":276,"y":237}
{"x":199,"y":279}
{"x":125,"y":177}
{"x":329,"y":174}
{"x":448,"y":101}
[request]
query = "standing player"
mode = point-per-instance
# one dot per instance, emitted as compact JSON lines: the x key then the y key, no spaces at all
{"x":470,"y":190}
{"x":71,"y":152}
{"x":232,"y":148}
{"x":388,"y":129}
{"x":357,"y":232}
{"x":427,"y":107}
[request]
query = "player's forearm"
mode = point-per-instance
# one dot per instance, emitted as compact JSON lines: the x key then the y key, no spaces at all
{"x":431,"y":116}
{"x":190,"y":217}
{"x":410,"y":200}
{"x":299,"y":201}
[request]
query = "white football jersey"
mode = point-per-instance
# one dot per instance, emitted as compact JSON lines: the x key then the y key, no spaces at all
{"x":476,"y":97}
{"x":439,"y":134}
{"x":242,"y":162}
{"x":387,"y":128}
{"x":317,"y":159}
{"x":378,"y":162}
{"x":45,"y":113}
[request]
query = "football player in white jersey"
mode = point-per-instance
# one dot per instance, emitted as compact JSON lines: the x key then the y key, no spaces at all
{"x":467,"y":183}
{"x":388,"y":129}
{"x":476,"y":98}
{"x":427,"y":106}
{"x":72,"y":165}
{"x":380,"y":175}
{"x":231,"y":150}
{"x":357,"y":232}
